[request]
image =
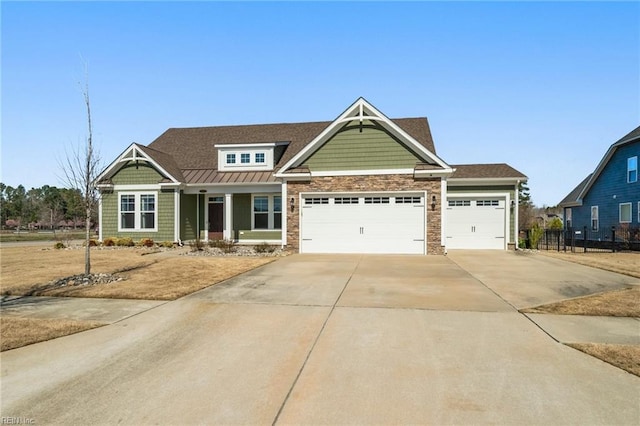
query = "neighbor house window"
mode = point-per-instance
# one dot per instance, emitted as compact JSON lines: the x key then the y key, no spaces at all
{"x":638,"y":211}
{"x":138,"y":212}
{"x":632,"y":169}
{"x":568,"y":219}
{"x":260,"y":158}
{"x":231,"y":159}
{"x":245,"y":158}
{"x":625,"y":212}
{"x":594,"y":218}
{"x":267,"y":212}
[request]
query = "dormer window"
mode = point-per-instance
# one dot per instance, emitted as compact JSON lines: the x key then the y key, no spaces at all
{"x":247,"y":157}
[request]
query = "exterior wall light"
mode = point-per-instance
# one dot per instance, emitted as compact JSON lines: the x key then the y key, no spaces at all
{"x":513,"y":203}
{"x":433,"y":202}
{"x":292,"y":204}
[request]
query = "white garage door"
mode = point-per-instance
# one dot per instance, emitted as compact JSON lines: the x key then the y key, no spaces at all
{"x":357,"y":223}
{"x":476,"y":223}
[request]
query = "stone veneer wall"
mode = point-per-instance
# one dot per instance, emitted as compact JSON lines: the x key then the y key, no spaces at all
{"x":368,"y":184}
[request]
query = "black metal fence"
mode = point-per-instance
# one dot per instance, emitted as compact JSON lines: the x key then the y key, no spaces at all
{"x":585,"y":239}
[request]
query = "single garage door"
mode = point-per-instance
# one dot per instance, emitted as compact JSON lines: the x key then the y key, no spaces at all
{"x":476,"y":223}
{"x":363,"y":223}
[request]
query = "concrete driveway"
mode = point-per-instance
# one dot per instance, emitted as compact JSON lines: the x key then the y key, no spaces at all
{"x":331,"y":340}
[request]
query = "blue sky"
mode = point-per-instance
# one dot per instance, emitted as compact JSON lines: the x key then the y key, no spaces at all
{"x":543,"y":86}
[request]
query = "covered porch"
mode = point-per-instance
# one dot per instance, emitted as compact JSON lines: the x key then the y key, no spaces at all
{"x":245,"y":214}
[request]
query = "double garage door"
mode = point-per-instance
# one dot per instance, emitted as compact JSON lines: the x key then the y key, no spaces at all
{"x":363,"y":223}
{"x":476,"y":223}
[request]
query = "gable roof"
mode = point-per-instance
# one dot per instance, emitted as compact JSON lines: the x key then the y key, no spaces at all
{"x":486,"y":171}
{"x":572,"y":199}
{"x":193,"y":148}
{"x":361,"y":111}
{"x":162,"y":162}
{"x":575,"y":197}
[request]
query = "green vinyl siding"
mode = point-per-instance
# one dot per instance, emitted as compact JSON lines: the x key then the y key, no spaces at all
{"x":259,"y":235}
{"x":241,"y":212}
{"x":371,"y":149}
{"x":132,"y":174}
{"x":164,"y":219}
{"x":189,"y":215}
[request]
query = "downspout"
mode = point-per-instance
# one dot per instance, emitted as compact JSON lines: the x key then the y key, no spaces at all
{"x":198,"y":217}
{"x":516,"y":209}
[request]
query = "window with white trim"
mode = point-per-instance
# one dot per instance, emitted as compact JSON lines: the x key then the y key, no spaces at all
{"x":245,"y":158}
{"x":137,"y":211}
{"x":638,"y":211}
{"x":625,"y":214}
{"x":568,"y":220}
{"x":594,"y":218}
{"x":260,"y":158}
{"x":632,"y":169}
{"x":267,"y":212}
{"x":231,"y":159}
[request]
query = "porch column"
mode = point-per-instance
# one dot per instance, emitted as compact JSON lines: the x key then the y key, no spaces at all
{"x":228,"y":217}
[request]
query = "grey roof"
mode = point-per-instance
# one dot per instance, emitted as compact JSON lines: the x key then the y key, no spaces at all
{"x":572,"y":198}
{"x":485,"y":171}
{"x":193,"y":148}
{"x":165,"y":161}
{"x":577,"y":194}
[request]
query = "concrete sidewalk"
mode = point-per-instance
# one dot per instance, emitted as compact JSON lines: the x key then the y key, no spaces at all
{"x":589,"y":329}
{"x":75,"y":308}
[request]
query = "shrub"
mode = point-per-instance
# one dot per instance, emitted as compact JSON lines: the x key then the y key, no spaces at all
{"x":264,"y":247}
{"x":109,"y":242}
{"x":146,"y":242}
{"x":59,"y":245}
{"x":196,"y":245}
{"x":535,"y":234}
{"x":125,"y":242}
{"x":555,"y":223}
{"x":166,"y":244}
{"x":227,"y":246}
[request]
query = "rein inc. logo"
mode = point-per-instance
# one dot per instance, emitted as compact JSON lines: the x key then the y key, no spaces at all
{"x":17,"y":421}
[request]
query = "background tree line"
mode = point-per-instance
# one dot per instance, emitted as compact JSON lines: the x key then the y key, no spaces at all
{"x":47,"y":207}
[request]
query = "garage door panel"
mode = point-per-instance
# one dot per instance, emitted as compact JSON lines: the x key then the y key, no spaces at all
{"x":371,"y":224}
{"x":476,"y":223}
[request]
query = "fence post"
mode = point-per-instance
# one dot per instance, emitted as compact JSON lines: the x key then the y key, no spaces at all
{"x":584,"y":240}
{"x":558,"y":234}
{"x":613,"y":239}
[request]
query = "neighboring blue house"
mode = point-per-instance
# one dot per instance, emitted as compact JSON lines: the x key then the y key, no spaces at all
{"x":610,"y":196}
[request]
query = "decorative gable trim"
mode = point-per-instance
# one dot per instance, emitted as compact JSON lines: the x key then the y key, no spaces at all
{"x":132,"y":153}
{"x":361,"y":110}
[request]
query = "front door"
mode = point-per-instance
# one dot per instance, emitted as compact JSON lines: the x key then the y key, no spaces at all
{"x":216,"y":221}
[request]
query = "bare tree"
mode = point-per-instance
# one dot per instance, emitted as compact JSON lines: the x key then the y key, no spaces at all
{"x":81,"y":168}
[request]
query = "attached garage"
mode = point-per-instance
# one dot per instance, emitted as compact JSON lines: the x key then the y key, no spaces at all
{"x":476,"y":223}
{"x":391,"y":223}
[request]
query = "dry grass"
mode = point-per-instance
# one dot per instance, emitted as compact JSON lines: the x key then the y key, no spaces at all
{"x":618,"y":303}
{"x":626,"y":357}
{"x":169,"y":279}
{"x":23,"y":267}
{"x":18,"y":332}
{"x":155,"y":276}
{"x":627,"y":263}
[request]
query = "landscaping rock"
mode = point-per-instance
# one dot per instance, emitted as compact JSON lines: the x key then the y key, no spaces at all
{"x":84,"y":280}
